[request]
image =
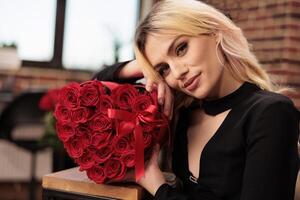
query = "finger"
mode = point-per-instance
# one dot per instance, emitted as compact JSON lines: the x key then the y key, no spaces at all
{"x":168,"y":101}
{"x":161,"y":93}
{"x":172,"y":110}
{"x":149,"y":85}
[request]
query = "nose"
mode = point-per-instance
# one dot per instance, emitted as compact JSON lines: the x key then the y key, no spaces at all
{"x":178,"y":70}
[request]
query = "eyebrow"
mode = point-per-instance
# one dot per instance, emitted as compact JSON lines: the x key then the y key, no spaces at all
{"x":169,"y":49}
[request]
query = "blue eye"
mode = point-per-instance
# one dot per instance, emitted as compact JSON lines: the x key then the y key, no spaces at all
{"x":181,"y":49}
{"x":163,"y":69}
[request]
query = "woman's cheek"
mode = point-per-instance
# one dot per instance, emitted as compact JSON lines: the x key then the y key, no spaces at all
{"x":172,"y":83}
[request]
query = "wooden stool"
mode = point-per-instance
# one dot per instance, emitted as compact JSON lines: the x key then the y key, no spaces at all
{"x":73,"y":184}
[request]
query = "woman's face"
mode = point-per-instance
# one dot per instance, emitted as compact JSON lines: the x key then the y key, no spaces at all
{"x":188,"y":64}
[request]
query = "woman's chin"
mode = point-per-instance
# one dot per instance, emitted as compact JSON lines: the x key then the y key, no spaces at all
{"x":198,"y":93}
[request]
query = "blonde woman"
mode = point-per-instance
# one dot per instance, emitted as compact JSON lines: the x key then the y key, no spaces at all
{"x":236,"y":137}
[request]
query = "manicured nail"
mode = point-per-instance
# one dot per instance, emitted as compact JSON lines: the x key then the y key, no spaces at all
{"x":161,"y":101}
{"x":166,"y":112}
{"x":149,"y":88}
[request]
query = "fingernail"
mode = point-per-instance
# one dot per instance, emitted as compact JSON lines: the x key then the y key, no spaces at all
{"x":154,"y":86}
{"x":161,"y":101}
{"x":149,"y":88}
{"x":166,"y":111}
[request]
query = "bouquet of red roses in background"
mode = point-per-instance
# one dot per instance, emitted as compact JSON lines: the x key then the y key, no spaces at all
{"x":47,"y":103}
{"x":109,"y":128}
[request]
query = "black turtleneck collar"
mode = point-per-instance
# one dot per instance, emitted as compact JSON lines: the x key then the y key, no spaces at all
{"x":216,"y":106}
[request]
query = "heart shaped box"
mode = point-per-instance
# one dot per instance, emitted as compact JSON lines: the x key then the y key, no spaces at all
{"x":109,"y":128}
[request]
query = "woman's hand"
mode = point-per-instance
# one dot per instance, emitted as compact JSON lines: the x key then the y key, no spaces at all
{"x":153,"y":177}
{"x":164,"y":95}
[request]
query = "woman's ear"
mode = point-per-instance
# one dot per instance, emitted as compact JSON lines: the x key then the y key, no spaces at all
{"x":218,"y":37}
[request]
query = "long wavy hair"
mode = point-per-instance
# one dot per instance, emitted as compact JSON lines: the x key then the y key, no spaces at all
{"x":193,"y":18}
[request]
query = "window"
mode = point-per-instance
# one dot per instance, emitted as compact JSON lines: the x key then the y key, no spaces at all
{"x":98,"y":32}
{"x":75,"y":34}
{"x":30,"y":25}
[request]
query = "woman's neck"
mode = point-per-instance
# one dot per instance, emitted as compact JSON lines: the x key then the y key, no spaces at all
{"x":225,"y":85}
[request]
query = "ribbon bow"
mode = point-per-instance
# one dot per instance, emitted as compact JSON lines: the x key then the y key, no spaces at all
{"x":147,"y":117}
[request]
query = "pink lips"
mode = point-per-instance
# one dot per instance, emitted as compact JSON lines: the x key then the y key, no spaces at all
{"x":192,"y":83}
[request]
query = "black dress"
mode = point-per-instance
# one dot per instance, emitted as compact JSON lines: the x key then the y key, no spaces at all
{"x":252,"y":156}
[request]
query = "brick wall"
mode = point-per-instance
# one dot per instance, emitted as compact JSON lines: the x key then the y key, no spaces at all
{"x":272,"y":27}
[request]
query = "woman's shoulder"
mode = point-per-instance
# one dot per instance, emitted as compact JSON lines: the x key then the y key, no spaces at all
{"x":270,"y":109}
{"x":266,"y":101}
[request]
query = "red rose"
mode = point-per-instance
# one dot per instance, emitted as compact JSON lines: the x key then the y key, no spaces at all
{"x":62,"y":113}
{"x":124,"y":96}
{"x":100,"y":123}
{"x":90,"y":92}
{"x":64,"y":131}
{"x":141,"y":103}
{"x":74,"y":147}
{"x":147,"y":139}
{"x":114,"y":169}
{"x":103,"y":154}
{"x":96,"y":173}
{"x":80,"y":115}
{"x":101,"y":87}
{"x":49,"y":100}
{"x":85,"y":140}
{"x":101,"y":139}
{"x":105,"y":103}
{"x":122,"y":144}
{"x":69,"y":95}
{"x":86,"y":161}
{"x":82,"y":129}
{"x":128,"y":159}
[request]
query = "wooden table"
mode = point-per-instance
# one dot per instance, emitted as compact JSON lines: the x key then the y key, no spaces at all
{"x":73,"y":184}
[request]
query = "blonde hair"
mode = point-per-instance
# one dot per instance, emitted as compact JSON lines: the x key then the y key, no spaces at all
{"x":191,"y":17}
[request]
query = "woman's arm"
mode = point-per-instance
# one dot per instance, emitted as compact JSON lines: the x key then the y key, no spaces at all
{"x":271,"y":153}
{"x":130,"y":72}
{"x":153,"y":181}
{"x":123,"y":72}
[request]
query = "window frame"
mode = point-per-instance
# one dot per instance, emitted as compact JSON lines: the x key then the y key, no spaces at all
{"x":56,"y":61}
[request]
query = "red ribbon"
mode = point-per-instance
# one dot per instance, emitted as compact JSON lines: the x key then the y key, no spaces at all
{"x":146,"y":117}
